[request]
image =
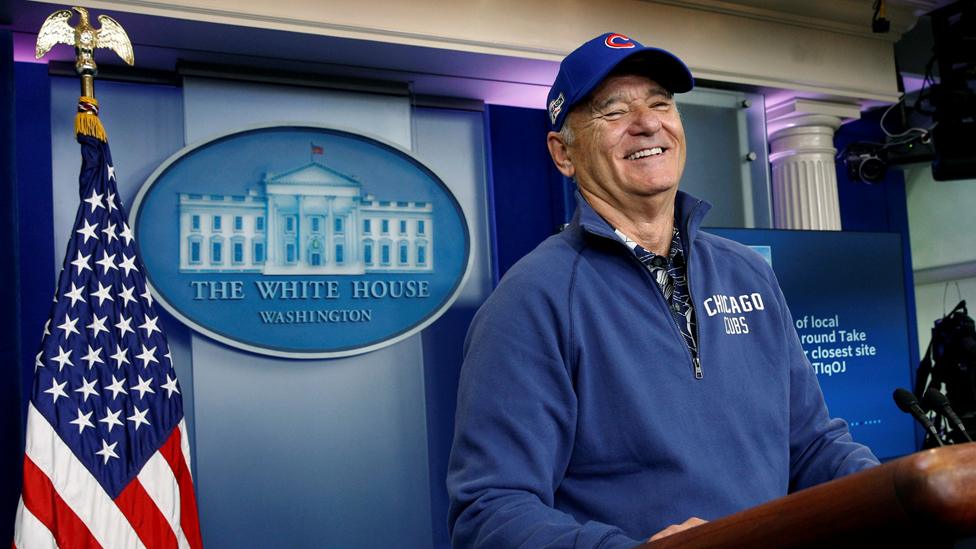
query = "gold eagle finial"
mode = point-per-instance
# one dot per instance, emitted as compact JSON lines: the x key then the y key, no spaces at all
{"x":84,"y":37}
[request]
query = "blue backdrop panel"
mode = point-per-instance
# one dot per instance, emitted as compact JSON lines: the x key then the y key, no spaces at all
{"x":311,"y":453}
{"x":463,"y":170}
{"x":316,"y":452}
{"x":215,"y":107}
{"x":846,"y":291}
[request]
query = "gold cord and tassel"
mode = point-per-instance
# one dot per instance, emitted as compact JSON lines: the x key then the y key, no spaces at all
{"x":87,"y":122}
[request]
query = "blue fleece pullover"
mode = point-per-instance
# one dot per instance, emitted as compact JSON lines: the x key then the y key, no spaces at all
{"x":581,"y":423}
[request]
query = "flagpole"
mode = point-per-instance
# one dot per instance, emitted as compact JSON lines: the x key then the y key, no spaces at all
{"x":93,"y":475}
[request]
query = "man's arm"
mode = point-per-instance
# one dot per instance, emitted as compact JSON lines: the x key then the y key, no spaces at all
{"x":821,"y":448}
{"x":514,"y":431}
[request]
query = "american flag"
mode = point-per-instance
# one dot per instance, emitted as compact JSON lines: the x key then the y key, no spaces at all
{"x":107,"y":459}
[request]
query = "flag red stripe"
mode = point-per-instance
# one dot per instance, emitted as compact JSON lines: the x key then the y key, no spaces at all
{"x":172,"y":451}
{"x":46,"y":504}
{"x":146,"y":519}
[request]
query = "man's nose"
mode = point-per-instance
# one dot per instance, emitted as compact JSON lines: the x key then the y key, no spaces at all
{"x":646,"y":120}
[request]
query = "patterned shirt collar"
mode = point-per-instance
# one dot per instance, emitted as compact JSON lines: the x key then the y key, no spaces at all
{"x":675,"y":254}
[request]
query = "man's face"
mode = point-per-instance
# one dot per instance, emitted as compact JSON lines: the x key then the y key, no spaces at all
{"x":629,"y":142}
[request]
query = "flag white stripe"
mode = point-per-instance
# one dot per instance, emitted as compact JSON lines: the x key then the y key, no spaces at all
{"x":159,"y":482}
{"x":76,"y":485}
{"x":185,"y":446}
{"x":30,"y":533}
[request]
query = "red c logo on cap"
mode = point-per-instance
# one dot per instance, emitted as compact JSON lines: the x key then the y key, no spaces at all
{"x":618,"y":41}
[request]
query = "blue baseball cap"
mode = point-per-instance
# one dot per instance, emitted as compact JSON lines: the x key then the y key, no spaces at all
{"x":588,"y":65}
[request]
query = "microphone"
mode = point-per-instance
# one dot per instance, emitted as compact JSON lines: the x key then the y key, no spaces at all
{"x":907,"y":403}
{"x":935,"y":400}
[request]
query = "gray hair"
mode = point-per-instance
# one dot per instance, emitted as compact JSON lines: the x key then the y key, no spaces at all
{"x":566,"y":133}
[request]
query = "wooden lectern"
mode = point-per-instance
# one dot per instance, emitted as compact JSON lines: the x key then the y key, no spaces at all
{"x":927,"y":499}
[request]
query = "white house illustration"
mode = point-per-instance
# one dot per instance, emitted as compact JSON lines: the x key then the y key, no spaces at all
{"x":310,"y":220}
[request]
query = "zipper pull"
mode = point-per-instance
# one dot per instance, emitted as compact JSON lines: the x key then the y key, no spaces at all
{"x":698,"y":368}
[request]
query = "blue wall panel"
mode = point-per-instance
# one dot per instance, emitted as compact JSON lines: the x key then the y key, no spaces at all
{"x":31,"y":253}
{"x":36,"y":200}
{"x":10,"y":454}
{"x":531,"y":199}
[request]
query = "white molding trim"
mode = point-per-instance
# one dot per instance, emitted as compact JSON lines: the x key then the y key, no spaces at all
{"x":725,"y":41}
{"x":312,"y":26}
{"x":799,"y":107}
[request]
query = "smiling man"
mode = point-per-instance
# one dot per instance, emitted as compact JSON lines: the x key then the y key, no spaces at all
{"x":605,"y":398}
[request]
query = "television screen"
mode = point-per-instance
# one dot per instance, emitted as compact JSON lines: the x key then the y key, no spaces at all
{"x":846,"y":291}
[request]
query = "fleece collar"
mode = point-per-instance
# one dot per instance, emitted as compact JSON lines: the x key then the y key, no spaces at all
{"x":688,"y":213}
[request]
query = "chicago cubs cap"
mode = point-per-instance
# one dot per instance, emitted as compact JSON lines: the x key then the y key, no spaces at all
{"x":583,"y":70}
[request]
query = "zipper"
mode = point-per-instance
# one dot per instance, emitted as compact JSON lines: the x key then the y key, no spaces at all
{"x":696,"y":360}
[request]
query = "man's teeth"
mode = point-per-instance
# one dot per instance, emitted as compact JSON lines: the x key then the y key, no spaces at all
{"x":646,"y":152}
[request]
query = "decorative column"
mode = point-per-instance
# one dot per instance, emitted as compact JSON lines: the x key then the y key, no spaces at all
{"x":328,"y":252}
{"x":272,"y":240}
{"x":802,"y":154}
{"x":354,"y":234}
{"x":300,"y":256}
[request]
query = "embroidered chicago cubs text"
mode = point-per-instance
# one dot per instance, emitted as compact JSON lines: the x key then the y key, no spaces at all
{"x":727,"y":305}
{"x":745,"y":303}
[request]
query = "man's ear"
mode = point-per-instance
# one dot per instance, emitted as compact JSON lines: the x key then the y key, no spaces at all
{"x":559,"y":152}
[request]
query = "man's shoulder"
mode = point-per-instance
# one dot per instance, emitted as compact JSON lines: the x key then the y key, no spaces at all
{"x":530,"y":298}
{"x":734,"y":253}
{"x":549,"y":263}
